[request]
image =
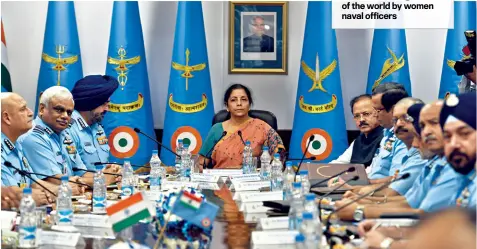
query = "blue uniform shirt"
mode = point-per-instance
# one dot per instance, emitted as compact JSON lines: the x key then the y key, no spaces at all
{"x":91,"y":141}
{"x":466,"y":194}
{"x":435,"y":186}
{"x":53,"y":154}
{"x":389,"y":155}
{"x":413,"y":164}
{"x":14,"y":154}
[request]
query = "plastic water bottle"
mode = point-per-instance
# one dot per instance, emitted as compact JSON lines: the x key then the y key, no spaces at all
{"x":247,"y":158}
{"x":308,"y":229}
{"x":155,"y":176}
{"x":186,"y":163}
{"x":277,"y":174}
{"x":300,"y":241}
{"x":127,"y":185}
{"x":288,"y":181}
{"x":305,"y":181}
{"x":28,"y":221}
{"x":265,"y":164}
{"x":295,"y":215}
{"x":310,"y":206}
{"x":99,"y":191}
{"x":179,"y":149}
{"x":64,"y":205}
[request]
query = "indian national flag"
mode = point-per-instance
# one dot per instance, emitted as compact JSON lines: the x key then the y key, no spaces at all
{"x":190,"y":200}
{"x":6,"y":82}
{"x":129,"y":211}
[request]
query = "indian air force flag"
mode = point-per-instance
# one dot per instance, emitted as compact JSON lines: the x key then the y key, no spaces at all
{"x":389,"y":59}
{"x":319,"y":105}
{"x":190,"y":107}
{"x":464,"y":19}
{"x":130,"y":105}
{"x":61,"y":57}
{"x":6,"y":81}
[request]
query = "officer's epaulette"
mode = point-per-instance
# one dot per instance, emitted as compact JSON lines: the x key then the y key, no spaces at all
{"x":42,"y":130}
{"x":38,"y":130}
{"x":82,"y":123}
{"x":72,"y":121}
{"x":2,"y":148}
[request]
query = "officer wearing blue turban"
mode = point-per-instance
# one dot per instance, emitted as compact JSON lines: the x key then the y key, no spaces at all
{"x":458,"y":122}
{"x":91,"y":95}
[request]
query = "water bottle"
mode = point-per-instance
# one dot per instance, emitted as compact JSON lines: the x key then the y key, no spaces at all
{"x":127,"y":185}
{"x":277,"y":174}
{"x":186,"y":164}
{"x":247,"y":158}
{"x":99,"y":191}
{"x":288,"y":181}
{"x":308,"y":229}
{"x":296,"y":207}
{"x":311,"y":206}
{"x":64,"y":205}
{"x":300,"y":241}
{"x":305,"y":182}
{"x":179,"y":149}
{"x":265,"y":164}
{"x":155,"y":176}
{"x":28,"y":221}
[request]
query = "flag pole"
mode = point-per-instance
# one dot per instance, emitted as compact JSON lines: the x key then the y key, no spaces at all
{"x":163,"y":229}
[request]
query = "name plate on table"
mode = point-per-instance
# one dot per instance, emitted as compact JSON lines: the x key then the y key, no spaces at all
{"x":209,"y":185}
{"x":223,"y":172}
{"x":153,"y":196}
{"x":167,"y":185}
{"x":253,"y":217}
{"x":248,"y":186}
{"x":254,"y":207}
{"x":290,"y":246}
{"x":274,"y":223}
{"x":236,"y":196}
{"x":7,"y":218}
{"x":261,"y":196}
{"x":255,"y":177}
{"x":96,"y":232}
{"x":91,"y":220}
{"x":273,"y":237}
{"x":204,"y":178}
{"x":57,"y":238}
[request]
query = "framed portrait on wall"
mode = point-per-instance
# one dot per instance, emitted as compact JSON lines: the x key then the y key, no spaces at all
{"x":258,"y":37}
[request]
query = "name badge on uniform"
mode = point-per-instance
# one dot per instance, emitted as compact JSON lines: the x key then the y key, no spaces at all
{"x":102,"y":140}
{"x":71,"y":149}
{"x":25,"y":163}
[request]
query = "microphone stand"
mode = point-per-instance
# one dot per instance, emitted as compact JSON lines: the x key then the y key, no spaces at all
{"x":25,"y":173}
{"x":312,"y":137}
{"x":92,"y":171}
{"x":160,"y":144}
{"x":132,"y":165}
{"x":355,"y":178}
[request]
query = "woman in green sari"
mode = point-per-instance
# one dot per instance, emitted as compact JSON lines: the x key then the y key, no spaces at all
{"x":227,"y":153}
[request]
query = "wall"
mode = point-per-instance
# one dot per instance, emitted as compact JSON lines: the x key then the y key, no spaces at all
{"x":24,"y":24}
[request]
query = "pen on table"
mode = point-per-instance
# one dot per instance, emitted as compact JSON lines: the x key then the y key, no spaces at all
{"x":378,"y":224}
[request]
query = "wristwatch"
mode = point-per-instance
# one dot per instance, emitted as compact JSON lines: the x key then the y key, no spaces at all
{"x":386,"y":244}
{"x":359,"y":213}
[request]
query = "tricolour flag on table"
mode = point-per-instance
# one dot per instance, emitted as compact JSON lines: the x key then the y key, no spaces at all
{"x":464,"y":19}
{"x":190,"y":107}
{"x":6,"y":80}
{"x":130,"y":105}
{"x":319,"y":104}
{"x":61,"y":56}
{"x":130,"y":211}
{"x":195,"y":210}
{"x":389,"y":59}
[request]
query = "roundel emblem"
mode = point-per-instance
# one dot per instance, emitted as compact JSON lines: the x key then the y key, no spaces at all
{"x":320,"y":147}
{"x":123,"y":142}
{"x":205,"y":222}
{"x":190,"y":136}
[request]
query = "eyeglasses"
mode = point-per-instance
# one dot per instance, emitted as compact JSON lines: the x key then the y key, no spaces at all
{"x":405,"y":118}
{"x":364,"y":115}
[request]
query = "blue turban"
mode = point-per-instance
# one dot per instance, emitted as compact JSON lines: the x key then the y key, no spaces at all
{"x":461,"y":107}
{"x":93,"y":91}
{"x":414,"y":112}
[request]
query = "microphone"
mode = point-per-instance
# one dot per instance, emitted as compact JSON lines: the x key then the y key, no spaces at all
{"x":92,"y":171}
{"x":296,"y":159}
{"x":312,"y":137}
{"x":355,"y":178}
{"x":349,"y":170}
{"x":212,"y":149}
{"x":241,"y":138}
{"x":132,"y":165}
{"x":157,"y":142}
{"x":25,"y":173}
{"x":383,"y":186}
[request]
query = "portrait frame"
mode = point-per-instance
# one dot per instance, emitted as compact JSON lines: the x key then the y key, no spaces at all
{"x":258,"y":32}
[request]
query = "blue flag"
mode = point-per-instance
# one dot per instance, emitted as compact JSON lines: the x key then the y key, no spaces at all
{"x":464,"y":19}
{"x":389,"y":59}
{"x":190,"y":106}
{"x":61,"y":57}
{"x":195,"y":210}
{"x":319,"y":105}
{"x":130,"y":105}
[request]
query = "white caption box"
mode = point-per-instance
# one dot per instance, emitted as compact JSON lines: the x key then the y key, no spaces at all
{"x":167,"y":185}
{"x":250,"y":186}
{"x":245,"y":178}
{"x":261,"y":196}
{"x":209,"y":185}
{"x":205,"y":178}
{"x":91,"y":220}
{"x":255,"y":207}
{"x":58,"y":238}
{"x":223,"y":172}
{"x":273,"y":237}
{"x":254,"y":217}
{"x":274,"y":223}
